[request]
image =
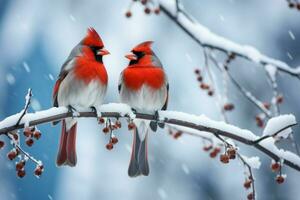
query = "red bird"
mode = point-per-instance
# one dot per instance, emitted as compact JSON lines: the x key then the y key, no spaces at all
{"x":82,"y":83}
{"x":144,"y":86}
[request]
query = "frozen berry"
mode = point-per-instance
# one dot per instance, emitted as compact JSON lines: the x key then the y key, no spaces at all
{"x":259,"y":122}
{"x":275,"y":167}
{"x":131,"y":126}
{"x":15,"y":136}
{"x":250,"y":196}
{"x":29,"y":142}
{"x":231,"y":153}
{"x":210,"y":93}
{"x":157,"y":11}
{"x":21,"y":173}
{"x":20,"y":165}
{"x":291,"y":5}
{"x":12,"y":155}
{"x":118,"y":124}
{"x":247,"y":184}
{"x":147,"y":10}
{"x":128,"y":14}
{"x":109,"y":146}
{"x":101,"y":120}
{"x":224,"y":158}
{"x":279,"y":99}
{"x":204,"y":86}
{"x":200,"y":78}
{"x":213,"y":154}
{"x":1,"y":144}
{"x":298,"y":6}
{"x":228,"y":107}
{"x":279,"y":179}
{"x":37,"y":134}
{"x":144,"y":2}
{"x":105,"y":130}
{"x":177,"y":134}
{"x":197,"y":71}
{"x":267,"y":105}
{"x":27,"y":131}
{"x":38,"y":171}
{"x":114,"y":140}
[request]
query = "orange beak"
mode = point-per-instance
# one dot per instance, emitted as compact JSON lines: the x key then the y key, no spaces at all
{"x":131,"y":57}
{"x":103,"y":52}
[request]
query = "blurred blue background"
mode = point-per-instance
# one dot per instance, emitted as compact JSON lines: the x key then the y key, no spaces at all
{"x":37,"y":36}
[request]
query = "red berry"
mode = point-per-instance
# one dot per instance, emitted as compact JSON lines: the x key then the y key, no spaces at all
{"x":224,"y":158}
{"x":204,"y":86}
{"x":275,"y":167}
{"x":131,"y":126}
{"x":118,"y":124}
{"x":207,"y":148}
{"x":21,"y":173}
{"x":259,"y":122}
{"x":228,"y":107}
{"x":267,"y":105}
{"x":38,"y":171}
{"x":37,"y":134}
{"x":15,"y":136}
{"x":101,"y":120}
{"x":27,"y":131}
{"x":217,"y":149}
{"x":177,"y":134}
{"x":144,"y":2}
{"x":298,"y":6}
{"x":20,"y":165}
{"x":114,"y":140}
{"x":109,"y":146}
{"x":250,"y":196}
{"x":200,"y":78}
{"x":128,"y":14}
{"x":105,"y":130}
{"x":210,"y":93}
{"x":197,"y":71}
{"x":279,"y":179}
{"x":12,"y":155}
{"x":279,"y":99}
{"x":247,"y":184}
{"x":157,"y":11}
{"x":213,"y":154}
{"x":231,"y":153}
{"x":147,"y":10}
{"x":1,"y":144}
{"x":29,"y":142}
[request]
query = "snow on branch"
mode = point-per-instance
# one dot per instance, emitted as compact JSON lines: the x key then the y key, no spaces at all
{"x":198,"y":123}
{"x":206,"y":38}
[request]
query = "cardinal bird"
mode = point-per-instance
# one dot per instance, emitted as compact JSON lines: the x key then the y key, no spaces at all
{"x":143,"y":85}
{"x":82,"y":83}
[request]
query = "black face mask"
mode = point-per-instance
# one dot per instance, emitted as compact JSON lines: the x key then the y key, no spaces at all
{"x":95,"y":49}
{"x":139,"y":55}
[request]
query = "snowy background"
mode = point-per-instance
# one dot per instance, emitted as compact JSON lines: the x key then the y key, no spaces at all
{"x":37,"y":36}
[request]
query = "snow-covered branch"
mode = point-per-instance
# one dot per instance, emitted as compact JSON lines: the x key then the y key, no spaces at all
{"x":206,"y":38}
{"x":196,"y":124}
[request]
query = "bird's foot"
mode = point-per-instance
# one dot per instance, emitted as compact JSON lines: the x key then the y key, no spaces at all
{"x":156,"y":122}
{"x":74,"y":112}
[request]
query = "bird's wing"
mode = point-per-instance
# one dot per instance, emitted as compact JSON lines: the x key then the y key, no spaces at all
{"x":167,"y":99}
{"x":66,"y":67}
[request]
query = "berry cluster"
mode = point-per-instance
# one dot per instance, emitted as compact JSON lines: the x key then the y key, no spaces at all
{"x":204,"y":86}
{"x":294,"y":4}
{"x":229,"y":154}
{"x":149,"y":7}
{"x":31,"y":133}
{"x":109,"y":128}
{"x":276,"y":167}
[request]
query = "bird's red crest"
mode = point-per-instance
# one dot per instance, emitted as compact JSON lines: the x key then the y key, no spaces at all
{"x":144,"y":47}
{"x":92,"y":38}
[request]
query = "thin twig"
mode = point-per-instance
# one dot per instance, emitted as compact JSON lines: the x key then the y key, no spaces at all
{"x":27,"y":103}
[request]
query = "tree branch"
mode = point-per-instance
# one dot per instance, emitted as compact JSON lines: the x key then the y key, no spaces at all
{"x":198,"y":123}
{"x":204,"y":37}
